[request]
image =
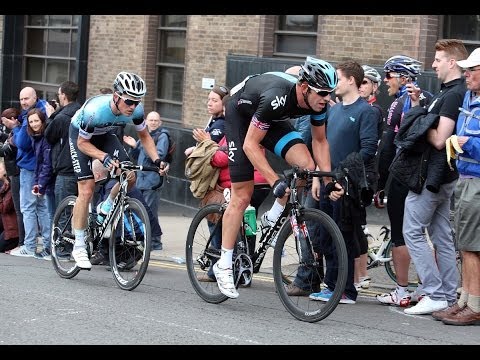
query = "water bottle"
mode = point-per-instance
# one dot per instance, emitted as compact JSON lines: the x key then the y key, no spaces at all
{"x":250,"y":220}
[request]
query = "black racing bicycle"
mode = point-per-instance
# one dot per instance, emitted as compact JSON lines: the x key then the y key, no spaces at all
{"x":296,"y":238}
{"x":126,"y":228}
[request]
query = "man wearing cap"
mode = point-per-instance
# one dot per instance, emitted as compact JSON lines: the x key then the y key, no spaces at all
{"x":429,"y":208}
{"x":467,"y":198}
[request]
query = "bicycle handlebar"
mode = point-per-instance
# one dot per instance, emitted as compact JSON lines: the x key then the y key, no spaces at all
{"x":305,"y":173}
{"x":128,"y":165}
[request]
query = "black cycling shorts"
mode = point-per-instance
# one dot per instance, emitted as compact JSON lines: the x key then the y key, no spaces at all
{"x":82,"y":163}
{"x":280,"y":137}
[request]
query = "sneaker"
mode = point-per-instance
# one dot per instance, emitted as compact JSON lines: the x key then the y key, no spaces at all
{"x":102,"y":210}
{"x":44,"y":254}
{"x":22,"y":251}
{"x":326,"y":294}
{"x":394,"y":298}
{"x":81,"y":258}
{"x":99,"y":259}
{"x":426,"y":306}
{"x":225,"y":281}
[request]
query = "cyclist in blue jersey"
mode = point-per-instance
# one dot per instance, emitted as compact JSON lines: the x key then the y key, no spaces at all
{"x":257,"y":114}
{"x":92,"y":136}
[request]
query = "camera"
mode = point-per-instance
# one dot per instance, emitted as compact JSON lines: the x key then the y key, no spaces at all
{"x":53,"y":103}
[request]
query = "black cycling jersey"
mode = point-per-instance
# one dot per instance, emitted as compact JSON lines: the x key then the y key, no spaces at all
{"x":267,"y":101}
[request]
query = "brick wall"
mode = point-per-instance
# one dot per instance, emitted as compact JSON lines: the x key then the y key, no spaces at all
{"x":373,"y":39}
{"x":209,"y":39}
{"x":117,"y":42}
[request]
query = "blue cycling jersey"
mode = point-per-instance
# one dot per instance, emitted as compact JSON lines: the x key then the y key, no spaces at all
{"x":95,"y":117}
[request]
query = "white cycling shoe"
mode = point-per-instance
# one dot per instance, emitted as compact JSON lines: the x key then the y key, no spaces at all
{"x":225,"y":281}
{"x":81,"y":258}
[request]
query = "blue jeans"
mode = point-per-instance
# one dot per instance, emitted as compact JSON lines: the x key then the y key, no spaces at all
{"x":306,"y":277}
{"x":323,"y":244}
{"x":151,"y":199}
{"x":65,"y":185}
{"x":28,"y":206}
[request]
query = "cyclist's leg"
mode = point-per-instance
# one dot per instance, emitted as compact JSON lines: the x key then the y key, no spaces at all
{"x":395,"y":207}
{"x":241,"y":173}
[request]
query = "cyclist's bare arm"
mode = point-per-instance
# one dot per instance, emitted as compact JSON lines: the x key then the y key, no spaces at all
{"x":258,"y":158}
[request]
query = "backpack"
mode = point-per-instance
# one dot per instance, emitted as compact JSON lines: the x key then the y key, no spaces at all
{"x":172,"y":145}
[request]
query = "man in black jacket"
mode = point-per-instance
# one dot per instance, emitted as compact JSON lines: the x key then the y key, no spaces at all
{"x":56,"y":134}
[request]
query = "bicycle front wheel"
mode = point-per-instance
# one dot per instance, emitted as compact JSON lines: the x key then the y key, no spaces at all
{"x":292,"y":259}
{"x":129,"y":245}
{"x":202,"y":250}
{"x":63,"y":239}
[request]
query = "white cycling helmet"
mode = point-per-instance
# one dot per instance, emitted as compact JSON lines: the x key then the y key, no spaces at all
{"x":372,"y":74}
{"x":130,"y":84}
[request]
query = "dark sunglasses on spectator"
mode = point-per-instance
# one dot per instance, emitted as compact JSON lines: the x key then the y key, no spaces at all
{"x":130,"y":102}
{"x":321,"y":92}
{"x":389,"y":76}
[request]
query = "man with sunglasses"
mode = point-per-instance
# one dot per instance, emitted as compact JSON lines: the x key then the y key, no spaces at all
{"x":400,"y":70}
{"x":92,"y":136}
{"x":257,"y":114}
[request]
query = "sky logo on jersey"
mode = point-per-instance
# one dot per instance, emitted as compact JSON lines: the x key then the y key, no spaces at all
{"x":278,"y":102}
{"x":231,"y":149}
{"x":352,"y":119}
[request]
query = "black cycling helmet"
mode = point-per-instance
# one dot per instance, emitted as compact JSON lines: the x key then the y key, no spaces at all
{"x":318,"y":74}
{"x":403,"y":65}
{"x":130,"y":84}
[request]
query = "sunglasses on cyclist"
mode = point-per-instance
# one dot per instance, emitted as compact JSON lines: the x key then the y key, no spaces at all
{"x":130,"y":102}
{"x":390,"y":76}
{"x":365,"y":82}
{"x":321,"y":92}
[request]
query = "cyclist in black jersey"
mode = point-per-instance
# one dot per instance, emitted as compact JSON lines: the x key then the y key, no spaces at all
{"x":92,"y":136}
{"x":257,"y":114}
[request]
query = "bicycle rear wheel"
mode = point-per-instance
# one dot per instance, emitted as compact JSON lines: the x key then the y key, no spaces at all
{"x":63,"y":239}
{"x":201,"y":254}
{"x":390,"y":269}
{"x":129,"y":245}
{"x":291,"y":257}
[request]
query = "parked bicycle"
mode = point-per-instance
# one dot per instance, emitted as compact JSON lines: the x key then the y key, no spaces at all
{"x":126,"y":228}
{"x":295,"y":231}
{"x":380,"y":254}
